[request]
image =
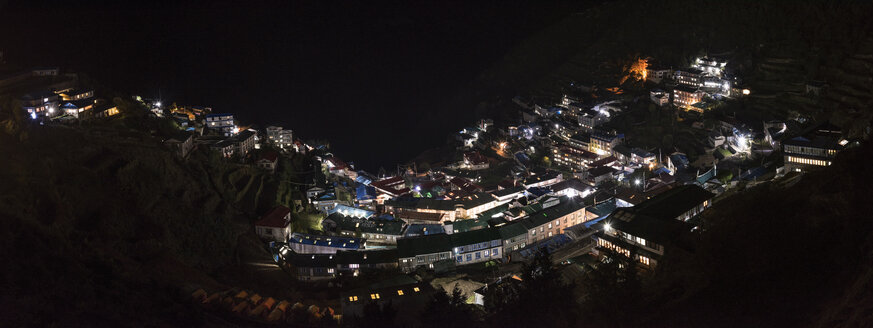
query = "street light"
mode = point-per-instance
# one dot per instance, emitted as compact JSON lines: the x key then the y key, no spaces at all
{"x":637,"y":182}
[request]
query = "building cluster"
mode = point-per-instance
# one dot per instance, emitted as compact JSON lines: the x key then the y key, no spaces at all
{"x":52,"y":94}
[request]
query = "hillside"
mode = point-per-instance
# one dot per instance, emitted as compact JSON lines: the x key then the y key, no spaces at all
{"x":105,"y":226}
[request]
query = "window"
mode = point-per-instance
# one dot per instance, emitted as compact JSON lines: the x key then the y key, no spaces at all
{"x":469,"y":257}
{"x":353,"y":298}
{"x":415,"y":289}
{"x":400,"y":292}
{"x":459,"y":258}
{"x":268,"y":231}
{"x":644,"y":260}
{"x":354,"y":266}
{"x":374,"y":296}
{"x":478,"y":255}
{"x":495,"y":252}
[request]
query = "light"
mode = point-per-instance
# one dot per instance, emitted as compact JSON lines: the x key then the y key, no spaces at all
{"x":33,"y":116}
{"x":607,"y":227}
{"x":746,"y":92}
{"x":51,"y":109}
{"x":158,"y":104}
{"x":637,"y":182}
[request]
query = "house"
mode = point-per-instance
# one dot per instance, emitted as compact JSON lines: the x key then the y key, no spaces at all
{"x":423,"y":251}
{"x":641,"y":156}
{"x":514,"y":236}
{"x":393,"y":186}
{"x":268,"y":161}
{"x":473,"y":160}
{"x":313,"y":192}
{"x":600,"y":174}
{"x":223,"y":123}
{"x":41,"y":104}
{"x":659,"y":97}
{"x":685,"y":96}
{"x":355,"y":262}
{"x":104,"y":110}
{"x":465,"y":225}
{"x":814,"y":149}
{"x":244,"y":142}
{"x":710,"y":65}
{"x":275,"y":225}
{"x":327,"y":201}
{"x":76,"y":94}
{"x":78,"y":107}
{"x":181,"y":143}
{"x":571,"y":188}
{"x":544,"y":180}
{"x":320,"y":244}
{"x":373,"y":230}
{"x":413,"y":210}
{"x":657,"y":74}
{"x":553,"y":220}
{"x":312,"y":266}
{"x":225,"y":147}
{"x":477,"y":246}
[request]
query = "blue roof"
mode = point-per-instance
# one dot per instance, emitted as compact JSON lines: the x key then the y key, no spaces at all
{"x":537,"y":191}
{"x":362,"y":179}
{"x":662,"y":170}
{"x":364,"y":192}
{"x":703,"y":178}
{"x":753,"y":173}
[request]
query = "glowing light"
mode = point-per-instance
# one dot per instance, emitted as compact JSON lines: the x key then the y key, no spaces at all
{"x":158,"y":104}
{"x":637,"y":182}
{"x":607,"y":227}
{"x":33,"y":116}
{"x":746,"y":92}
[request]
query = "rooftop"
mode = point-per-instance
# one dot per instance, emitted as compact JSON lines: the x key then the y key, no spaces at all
{"x":275,"y":217}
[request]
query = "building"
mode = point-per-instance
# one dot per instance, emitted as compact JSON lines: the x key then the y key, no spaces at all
{"x":181,"y":143}
{"x":692,"y":78}
{"x":657,"y":74}
{"x":428,"y":209}
{"x":710,"y":65}
{"x":590,"y":119}
{"x":473,"y":160}
{"x":686,"y":97}
{"x":409,"y":300}
{"x":514,"y":236}
{"x":224,"y":147}
{"x":572,"y":157}
{"x":508,"y":194}
{"x":477,"y":246}
{"x":393,"y":186}
{"x":659,"y":97}
{"x":268,"y":161}
{"x":319,"y":244}
{"x":280,"y":137}
{"x":75,"y":94}
{"x":245,"y":142}
{"x":312,"y":266}
{"x":553,"y":220}
{"x":373,"y":230}
{"x":814,"y":149}
{"x":223,"y":123}
{"x":275,"y":225}
{"x":423,"y":251}
{"x":641,"y":156}
{"x":355,"y":262}
{"x":602,"y":142}
{"x":641,"y":233}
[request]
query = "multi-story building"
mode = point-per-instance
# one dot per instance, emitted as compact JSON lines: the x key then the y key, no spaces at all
{"x":641,"y":233}
{"x":590,"y":119}
{"x":245,"y":142}
{"x":373,"y":230}
{"x":685,"y":96}
{"x":514,"y":237}
{"x":41,"y":104}
{"x":814,"y":149}
{"x":319,"y":244}
{"x":553,"y":220}
{"x":280,"y":137}
{"x":710,"y":65}
{"x":423,"y":251}
{"x":223,"y":123}
{"x":572,"y":157}
{"x":602,"y":142}
{"x":477,"y":246}
{"x":692,"y":78}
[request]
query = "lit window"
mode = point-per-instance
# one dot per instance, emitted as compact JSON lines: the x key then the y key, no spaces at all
{"x":399,"y":292}
{"x":415,"y":289}
{"x":353,"y":298}
{"x":374,"y":296}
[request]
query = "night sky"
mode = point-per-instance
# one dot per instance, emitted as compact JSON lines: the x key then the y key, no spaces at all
{"x":380,"y":81}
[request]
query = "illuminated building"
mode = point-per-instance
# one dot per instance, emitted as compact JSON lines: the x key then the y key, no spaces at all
{"x":814,"y":149}
{"x":685,"y":97}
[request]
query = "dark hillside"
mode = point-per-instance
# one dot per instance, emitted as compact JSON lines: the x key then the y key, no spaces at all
{"x":105,"y":226}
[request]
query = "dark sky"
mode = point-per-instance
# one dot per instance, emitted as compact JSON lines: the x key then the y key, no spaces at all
{"x":363,"y":75}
